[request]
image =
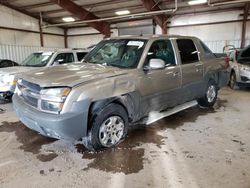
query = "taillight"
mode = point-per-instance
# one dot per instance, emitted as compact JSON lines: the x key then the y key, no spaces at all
{"x":227,"y":60}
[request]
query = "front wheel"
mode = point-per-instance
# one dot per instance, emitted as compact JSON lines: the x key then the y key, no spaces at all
{"x":210,"y":96}
{"x":109,"y":126}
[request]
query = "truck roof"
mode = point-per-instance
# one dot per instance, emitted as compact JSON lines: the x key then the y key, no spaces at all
{"x":62,"y":50}
{"x":148,"y":37}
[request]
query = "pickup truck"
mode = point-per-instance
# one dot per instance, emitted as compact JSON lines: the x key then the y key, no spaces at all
{"x":9,"y":76}
{"x":122,"y":81}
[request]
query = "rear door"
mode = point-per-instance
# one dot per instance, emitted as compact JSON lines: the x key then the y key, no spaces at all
{"x":192,"y":69}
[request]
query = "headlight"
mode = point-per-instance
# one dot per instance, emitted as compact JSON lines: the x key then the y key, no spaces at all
{"x":245,"y":68}
{"x":53,"y":99}
{"x":7,"y":80}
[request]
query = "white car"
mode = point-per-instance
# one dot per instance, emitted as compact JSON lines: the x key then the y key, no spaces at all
{"x":37,"y":60}
{"x":239,"y":60}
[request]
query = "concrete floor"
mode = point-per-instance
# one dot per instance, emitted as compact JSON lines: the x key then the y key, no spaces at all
{"x":194,"y":148}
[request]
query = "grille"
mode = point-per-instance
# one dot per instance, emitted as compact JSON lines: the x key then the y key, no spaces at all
{"x":30,"y":92}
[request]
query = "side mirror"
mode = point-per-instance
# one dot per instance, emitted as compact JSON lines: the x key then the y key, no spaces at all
{"x":58,"y":62}
{"x":155,"y":64}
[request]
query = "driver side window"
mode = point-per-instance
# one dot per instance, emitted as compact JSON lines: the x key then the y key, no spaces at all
{"x":162,"y":49}
{"x":64,"y":58}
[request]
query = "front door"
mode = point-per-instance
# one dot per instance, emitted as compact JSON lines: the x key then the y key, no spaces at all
{"x":159,"y":88}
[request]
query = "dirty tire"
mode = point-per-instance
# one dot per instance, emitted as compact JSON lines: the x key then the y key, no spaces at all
{"x":233,"y":82}
{"x":210,"y":95}
{"x":103,"y":118}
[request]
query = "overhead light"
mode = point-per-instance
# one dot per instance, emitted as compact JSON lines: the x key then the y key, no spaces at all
{"x":197,"y":2}
{"x":68,"y":19}
{"x":122,"y":12}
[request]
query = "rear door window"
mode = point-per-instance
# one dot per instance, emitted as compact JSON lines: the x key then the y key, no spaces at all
{"x":188,"y":51}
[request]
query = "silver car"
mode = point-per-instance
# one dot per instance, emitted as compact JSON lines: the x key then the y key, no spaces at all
{"x":240,"y":67}
{"x":37,"y":60}
{"x":123,"y":81}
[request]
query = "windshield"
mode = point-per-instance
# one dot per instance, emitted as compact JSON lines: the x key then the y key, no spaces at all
{"x":122,"y":53}
{"x":244,"y":56}
{"x":38,"y":59}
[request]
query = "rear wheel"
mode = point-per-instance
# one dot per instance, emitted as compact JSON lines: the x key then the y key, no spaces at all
{"x":210,"y":96}
{"x":233,"y":82}
{"x":109,"y":126}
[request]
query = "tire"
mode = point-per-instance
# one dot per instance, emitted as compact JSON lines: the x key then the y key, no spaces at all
{"x":108,"y":127}
{"x":233,"y":81}
{"x":210,"y":96}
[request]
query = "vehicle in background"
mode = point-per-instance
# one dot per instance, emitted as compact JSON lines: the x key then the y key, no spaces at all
{"x":239,"y":60}
{"x":7,"y":63}
{"x":124,"y":81}
{"x":37,"y":60}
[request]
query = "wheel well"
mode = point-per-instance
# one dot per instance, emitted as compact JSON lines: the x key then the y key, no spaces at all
{"x":232,"y":71}
{"x":97,"y":105}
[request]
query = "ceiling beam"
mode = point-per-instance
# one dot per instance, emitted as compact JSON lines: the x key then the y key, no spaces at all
{"x":83,"y":14}
{"x":100,"y":12}
{"x":90,"y":6}
{"x":36,"y":5}
{"x":161,"y":20}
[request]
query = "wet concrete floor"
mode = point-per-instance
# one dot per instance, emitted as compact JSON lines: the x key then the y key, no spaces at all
{"x":140,"y":150}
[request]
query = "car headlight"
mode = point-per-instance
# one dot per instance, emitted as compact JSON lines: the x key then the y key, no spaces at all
{"x":245,"y":68}
{"x":7,"y":80}
{"x":53,"y":99}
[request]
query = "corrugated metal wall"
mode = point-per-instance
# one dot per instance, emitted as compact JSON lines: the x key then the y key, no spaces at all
{"x":19,"y":53}
{"x":217,"y":46}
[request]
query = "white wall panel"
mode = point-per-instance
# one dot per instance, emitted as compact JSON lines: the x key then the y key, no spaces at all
{"x":54,"y":30}
{"x":13,"y":19}
{"x":216,"y":36}
{"x":26,"y":39}
{"x":83,"y":30}
{"x":226,"y":31}
{"x":53,"y":41}
{"x":19,"y":53}
{"x":205,"y":18}
{"x":85,"y":40}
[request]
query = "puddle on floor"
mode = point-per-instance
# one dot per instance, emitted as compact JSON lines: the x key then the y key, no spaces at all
{"x":30,"y":140}
{"x":128,"y":157}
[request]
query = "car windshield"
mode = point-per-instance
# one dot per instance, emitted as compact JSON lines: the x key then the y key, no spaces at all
{"x":38,"y":59}
{"x":244,"y":56}
{"x":122,"y":53}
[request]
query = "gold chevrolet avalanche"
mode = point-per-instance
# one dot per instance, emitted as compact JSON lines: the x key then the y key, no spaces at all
{"x":121,"y":82}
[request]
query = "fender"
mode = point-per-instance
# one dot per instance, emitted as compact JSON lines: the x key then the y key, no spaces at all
{"x":130,"y":101}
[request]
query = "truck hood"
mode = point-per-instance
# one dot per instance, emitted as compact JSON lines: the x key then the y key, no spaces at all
{"x":16,"y":71}
{"x":71,"y":75}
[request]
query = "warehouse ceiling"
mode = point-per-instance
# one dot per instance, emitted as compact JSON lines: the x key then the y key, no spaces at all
{"x":53,"y":13}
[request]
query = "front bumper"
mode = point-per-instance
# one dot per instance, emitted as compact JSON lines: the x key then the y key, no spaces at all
{"x":5,"y":95}
{"x":6,"y":91}
{"x":244,"y":77}
{"x":70,"y":126}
